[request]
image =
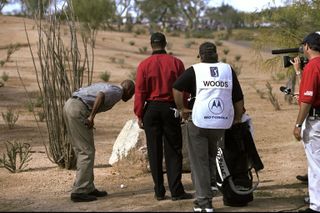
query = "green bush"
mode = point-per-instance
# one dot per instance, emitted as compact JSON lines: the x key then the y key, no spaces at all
{"x":105,"y":76}
{"x":143,"y":50}
{"x":5,"y":76}
{"x":10,"y":117}
{"x":188,"y":44}
{"x":237,"y":57}
{"x":219,"y":43}
{"x":17,"y":156}
{"x":39,"y":102}
{"x":41,"y":116}
{"x":30,"y":105}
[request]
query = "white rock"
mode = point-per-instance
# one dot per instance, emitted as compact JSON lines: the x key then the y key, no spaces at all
{"x":131,"y":136}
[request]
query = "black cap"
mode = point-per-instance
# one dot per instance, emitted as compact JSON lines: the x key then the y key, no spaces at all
{"x":313,"y":40}
{"x":207,"y":49}
{"x":158,"y":38}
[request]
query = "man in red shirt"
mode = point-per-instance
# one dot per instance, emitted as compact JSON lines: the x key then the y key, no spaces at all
{"x":154,"y":107}
{"x":307,"y":125}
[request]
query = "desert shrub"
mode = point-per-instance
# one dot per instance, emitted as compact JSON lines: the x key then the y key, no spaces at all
{"x":17,"y":156}
{"x":30,"y":105}
{"x":237,"y":57}
{"x":272,"y":97}
{"x":105,"y":76}
{"x":174,"y":34}
{"x":226,"y":51}
{"x":41,"y":116}
{"x":2,"y":62}
{"x":143,"y":50}
{"x":279,"y":76}
{"x":5,"y":76}
{"x":112,"y":59}
{"x":11,"y":49}
{"x":139,"y":31}
{"x":243,"y":35}
{"x":132,"y":43}
{"x":237,"y":67}
{"x":39,"y":101}
{"x":10,"y":117}
{"x":188,"y":44}
{"x":202,"y":34}
{"x":219,"y":43}
{"x":224,"y":60}
{"x":121,"y":61}
{"x":223,"y":36}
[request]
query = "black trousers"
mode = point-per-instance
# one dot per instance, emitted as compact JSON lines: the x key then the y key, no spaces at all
{"x":163,"y":134}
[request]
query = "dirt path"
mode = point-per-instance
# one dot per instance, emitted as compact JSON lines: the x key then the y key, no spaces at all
{"x":44,"y":187}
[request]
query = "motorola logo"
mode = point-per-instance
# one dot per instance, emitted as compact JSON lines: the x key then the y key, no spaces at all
{"x":216,"y":106}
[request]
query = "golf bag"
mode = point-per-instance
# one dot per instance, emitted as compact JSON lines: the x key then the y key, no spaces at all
{"x":235,"y":163}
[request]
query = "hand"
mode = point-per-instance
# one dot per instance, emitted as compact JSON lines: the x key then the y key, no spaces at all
{"x":185,"y":113}
{"x":89,"y":122}
{"x":236,"y":121}
{"x":140,"y":123}
{"x":297,"y":133}
{"x":296,"y":64}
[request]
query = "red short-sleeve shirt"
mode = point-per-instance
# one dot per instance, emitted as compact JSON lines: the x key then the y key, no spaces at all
{"x":309,"y":91}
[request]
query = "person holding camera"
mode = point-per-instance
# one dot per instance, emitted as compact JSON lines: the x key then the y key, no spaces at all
{"x":307,"y":125}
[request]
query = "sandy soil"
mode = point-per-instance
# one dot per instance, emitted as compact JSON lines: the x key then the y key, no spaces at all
{"x":45,"y":187}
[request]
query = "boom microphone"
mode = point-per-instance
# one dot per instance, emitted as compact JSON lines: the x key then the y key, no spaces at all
{"x":285,"y":90}
{"x":284,"y":51}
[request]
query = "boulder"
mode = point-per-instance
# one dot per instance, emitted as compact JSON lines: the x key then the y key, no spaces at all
{"x":132,"y":138}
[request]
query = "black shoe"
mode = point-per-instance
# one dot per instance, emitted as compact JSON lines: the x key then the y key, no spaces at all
{"x":303,"y":178}
{"x":307,"y":210}
{"x":184,"y":196}
{"x":81,"y":197}
{"x":98,"y":193}
{"x":159,"y":198}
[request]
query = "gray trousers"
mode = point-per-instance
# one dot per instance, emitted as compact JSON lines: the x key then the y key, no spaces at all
{"x":202,"y":148}
{"x":81,"y":138}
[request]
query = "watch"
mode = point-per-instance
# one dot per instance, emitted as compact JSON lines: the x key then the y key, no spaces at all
{"x":299,"y":125}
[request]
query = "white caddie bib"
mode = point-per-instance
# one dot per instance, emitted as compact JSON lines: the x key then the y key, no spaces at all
{"x":213,"y":107}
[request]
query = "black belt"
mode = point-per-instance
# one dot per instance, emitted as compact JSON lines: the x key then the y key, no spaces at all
{"x":80,"y":99}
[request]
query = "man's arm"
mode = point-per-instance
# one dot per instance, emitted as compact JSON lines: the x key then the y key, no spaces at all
{"x":238,"y":111}
{"x":178,"y":99}
{"x":97,"y":103}
{"x":303,"y":113}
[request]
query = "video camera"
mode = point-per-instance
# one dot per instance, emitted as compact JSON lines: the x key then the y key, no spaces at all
{"x":286,"y":58}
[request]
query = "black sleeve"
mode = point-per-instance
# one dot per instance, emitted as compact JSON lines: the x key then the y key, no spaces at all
{"x":237,"y":94}
{"x":186,"y":82}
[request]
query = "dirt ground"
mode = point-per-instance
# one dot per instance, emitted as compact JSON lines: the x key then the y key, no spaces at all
{"x":45,"y":187}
